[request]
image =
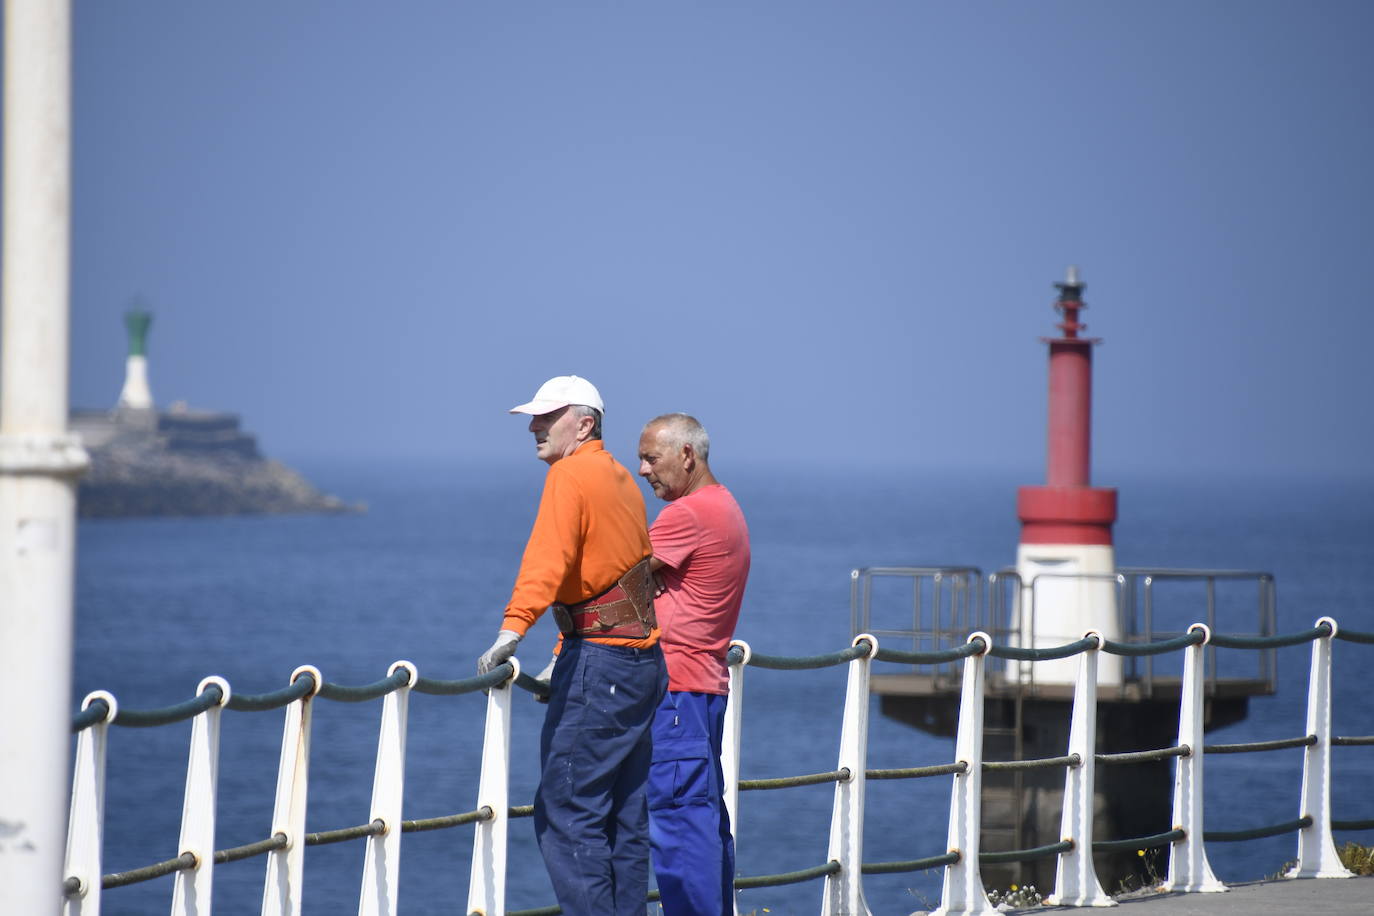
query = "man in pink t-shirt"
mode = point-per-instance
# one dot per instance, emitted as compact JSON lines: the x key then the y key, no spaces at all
{"x":701,"y":560}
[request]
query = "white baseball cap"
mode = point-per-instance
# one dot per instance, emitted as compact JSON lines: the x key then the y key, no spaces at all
{"x":560,"y":392}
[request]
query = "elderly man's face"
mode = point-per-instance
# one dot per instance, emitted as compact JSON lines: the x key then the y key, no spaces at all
{"x":555,"y":434}
{"x":665,"y":468}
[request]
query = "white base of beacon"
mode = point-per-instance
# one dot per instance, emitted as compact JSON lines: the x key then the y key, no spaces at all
{"x":135,"y":393}
{"x":1066,"y":590}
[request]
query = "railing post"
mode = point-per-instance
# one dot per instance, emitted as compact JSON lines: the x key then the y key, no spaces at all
{"x":86,"y":825}
{"x":844,"y":892}
{"x":1075,"y":880}
{"x":730,"y":750}
{"x":192,"y":888}
{"x":1317,"y":857}
{"x":382,"y":864}
{"x":1189,"y":870}
{"x":963,"y":892}
{"x":487,"y":881}
{"x":281,"y":890}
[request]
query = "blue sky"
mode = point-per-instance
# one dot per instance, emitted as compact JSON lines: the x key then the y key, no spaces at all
{"x":828,"y":230}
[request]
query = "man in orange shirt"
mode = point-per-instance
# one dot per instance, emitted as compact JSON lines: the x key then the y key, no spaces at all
{"x":587,"y":560}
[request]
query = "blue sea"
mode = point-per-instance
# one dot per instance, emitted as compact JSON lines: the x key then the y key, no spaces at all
{"x":424,"y":573}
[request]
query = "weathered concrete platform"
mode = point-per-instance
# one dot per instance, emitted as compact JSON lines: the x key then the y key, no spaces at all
{"x":1306,"y":897}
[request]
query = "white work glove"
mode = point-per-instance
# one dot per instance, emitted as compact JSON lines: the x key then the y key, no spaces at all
{"x":500,"y":651}
{"x":545,"y":677}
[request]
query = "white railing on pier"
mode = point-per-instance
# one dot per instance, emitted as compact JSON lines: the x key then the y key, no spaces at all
{"x":842,"y":868}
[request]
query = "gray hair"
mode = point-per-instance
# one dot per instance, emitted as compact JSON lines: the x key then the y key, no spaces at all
{"x":683,"y":430}
{"x":582,"y":410}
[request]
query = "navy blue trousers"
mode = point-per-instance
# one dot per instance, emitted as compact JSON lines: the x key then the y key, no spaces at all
{"x":591,"y":813}
{"x":694,"y":854}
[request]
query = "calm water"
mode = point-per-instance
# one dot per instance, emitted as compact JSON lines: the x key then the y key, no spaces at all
{"x":424,"y":574}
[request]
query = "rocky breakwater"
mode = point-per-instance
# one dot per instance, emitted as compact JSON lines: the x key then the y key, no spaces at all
{"x":182,"y":462}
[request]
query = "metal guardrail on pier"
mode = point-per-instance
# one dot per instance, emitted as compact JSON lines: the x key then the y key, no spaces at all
{"x":934,"y":607}
{"x":841,"y":868}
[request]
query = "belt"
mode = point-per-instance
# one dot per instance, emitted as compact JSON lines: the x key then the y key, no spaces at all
{"x":626,"y":609}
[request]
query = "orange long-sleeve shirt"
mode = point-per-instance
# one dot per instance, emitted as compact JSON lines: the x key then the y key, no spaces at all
{"x":591,"y":528}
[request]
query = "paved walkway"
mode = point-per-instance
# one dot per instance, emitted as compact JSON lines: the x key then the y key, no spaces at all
{"x":1307,"y":897}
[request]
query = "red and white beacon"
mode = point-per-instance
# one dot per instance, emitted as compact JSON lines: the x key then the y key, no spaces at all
{"x":1065,"y":559}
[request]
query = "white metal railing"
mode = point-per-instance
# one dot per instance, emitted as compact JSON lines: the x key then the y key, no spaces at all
{"x":936,"y":606}
{"x":843,"y":868}
{"x":940,"y":607}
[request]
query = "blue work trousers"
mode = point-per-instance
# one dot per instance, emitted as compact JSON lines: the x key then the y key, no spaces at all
{"x":694,"y":853}
{"x":591,"y":813}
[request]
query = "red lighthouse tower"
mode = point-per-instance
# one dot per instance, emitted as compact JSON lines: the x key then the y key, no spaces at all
{"x":1065,"y":560}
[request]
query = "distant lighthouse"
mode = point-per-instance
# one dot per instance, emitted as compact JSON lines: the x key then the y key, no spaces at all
{"x":1065,"y":559}
{"x":135,"y":395}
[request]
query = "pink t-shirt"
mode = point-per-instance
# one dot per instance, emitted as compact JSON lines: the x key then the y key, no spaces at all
{"x":704,"y":544}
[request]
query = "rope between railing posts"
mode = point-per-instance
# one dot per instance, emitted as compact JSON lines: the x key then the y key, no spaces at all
{"x":944,"y":769}
{"x":1270,"y":642}
{"x":1190,"y":638}
{"x":893,"y":868}
{"x":1352,"y":825}
{"x":515,"y":811}
{"x":262,"y":702}
{"x":1140,"y":842}
{"x":148,"y":872}
{"x":442,"y":688}
{"x":788,"y":782}
{"x":1020,"y":653}
{"x":1353,"y":741}
{"x":1354,"y":636}
{"x":788,"y":663}
{"x":238,"y":853}
{"x":141,"y":718}
{"x":344,"y":694}
{"x":930,"y":658}
{"x":1305,"y":741}
{"x":792,"y":877}
{"x":376,"y":828}
{"x":184,"y":861}
{"x":1258,"y":833}
{"x":483,"y":813}
{"x":527,"y":682}
{"x":1025,"y":855}
{"x":493,"y":678}
{"x":1002,"y":766}
{"x":1181,"y":750}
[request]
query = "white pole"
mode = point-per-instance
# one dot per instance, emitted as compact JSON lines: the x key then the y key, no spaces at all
{"x":39,"y":462}
{"x":1189,"y":870}
{"x":487,"y":878}
{"x":1317,"y":856}
{"x":963,"y":893}
{"x":844,"y":892}
{"x":730,"y":753}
